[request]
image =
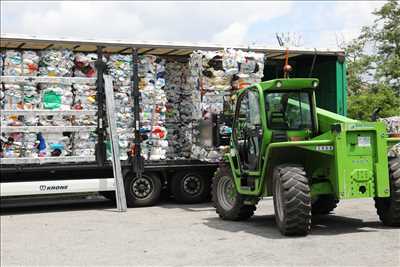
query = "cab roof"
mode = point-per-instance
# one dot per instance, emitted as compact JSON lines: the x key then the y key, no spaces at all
{"x":290,"y":84}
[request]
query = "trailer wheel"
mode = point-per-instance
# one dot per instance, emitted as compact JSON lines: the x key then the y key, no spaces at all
{"x":190,"y":187}
{"x":324,"y":204}
{"x":229,"y":204}
{"x":388,"y":208}
{"x":144,"y":191}
{"x":292,"y":200}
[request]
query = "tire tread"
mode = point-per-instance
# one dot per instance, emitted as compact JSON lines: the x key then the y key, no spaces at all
{"x":296,"y":198}
{"x":240,"y":211}
{"x":388,"y":209}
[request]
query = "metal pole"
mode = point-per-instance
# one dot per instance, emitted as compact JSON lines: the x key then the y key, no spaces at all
{"x":313,"y":63}
{"x":137,"y":159}
{"x":100,"y":146}
{"x":119,"y":181}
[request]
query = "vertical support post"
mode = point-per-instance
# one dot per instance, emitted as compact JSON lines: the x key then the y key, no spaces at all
{"x":119,"y":180}
{"x":2,"y":69}
{"x":137,"y":159}
{"x":341,"y":86}
{"x":100,"y":146}
{"x":3,"y":63}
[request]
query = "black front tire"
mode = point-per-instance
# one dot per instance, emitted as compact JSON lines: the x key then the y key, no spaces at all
{"x":292,"y":200}
{"x":229,"y":205}
{"x":144,"y":191}
{"x":388,"y":208}
{"x":324,"y":204}
{"x":190,"y":187}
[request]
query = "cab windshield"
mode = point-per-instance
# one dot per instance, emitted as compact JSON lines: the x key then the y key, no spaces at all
{"x":289,"y":110}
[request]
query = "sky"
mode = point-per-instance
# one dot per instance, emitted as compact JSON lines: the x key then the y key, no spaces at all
{"x":319,"y":24}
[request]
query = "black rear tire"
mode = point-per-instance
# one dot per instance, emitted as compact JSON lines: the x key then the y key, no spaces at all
{"x":324,"y":204}
{"x":292,"y":200}
{"x":190,"y":187}
{"x":229,"y":204}
{"x":144,"y":191}
{"x":388,"y":208}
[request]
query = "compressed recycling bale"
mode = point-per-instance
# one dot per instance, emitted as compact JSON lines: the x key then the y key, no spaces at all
{"x":31,"y":96}
{"x":16,"y":145}
{"x":214,"y":76}
{"x":12,"y":97}
{"x":179,"y":109}
{"x":84,"y":97}
{"x":84,"y":143}
{"x":11,"y":145}
{"x":56,"y":97}
{"x":392,"y":125}
{"x":251,"y":68}
{"x":56,"y":144}
{"x":30,"y":145}
{"x":153,"y":112}
{"x":393,"y":129}
{"x":30,"y":63}
{"x":120,"y":68}
{"x":13,"y":63}
{"x":84,"y":65}
{"x":56,"y":63}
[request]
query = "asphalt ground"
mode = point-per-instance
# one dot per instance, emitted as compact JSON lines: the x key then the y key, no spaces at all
{"x":89,"y":231}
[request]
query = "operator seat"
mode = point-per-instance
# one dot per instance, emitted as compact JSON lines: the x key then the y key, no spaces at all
{"x":278,"y":124}
{"x":277,"y":120}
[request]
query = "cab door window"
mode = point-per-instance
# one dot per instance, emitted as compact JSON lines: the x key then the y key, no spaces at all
{"x":247,"y":132}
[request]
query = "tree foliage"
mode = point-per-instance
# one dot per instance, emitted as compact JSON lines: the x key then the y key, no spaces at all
{"x":374,"y":65}
{"x":361,"y":106}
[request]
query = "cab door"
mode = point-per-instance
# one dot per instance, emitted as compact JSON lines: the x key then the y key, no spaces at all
{"x":247,"y":132}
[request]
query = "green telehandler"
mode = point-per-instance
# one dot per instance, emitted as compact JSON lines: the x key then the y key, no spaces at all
{"x":307,"y":158}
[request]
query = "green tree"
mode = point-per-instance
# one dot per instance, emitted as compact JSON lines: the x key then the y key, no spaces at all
{"x":361,"y":106}
{"x":374,"y":65}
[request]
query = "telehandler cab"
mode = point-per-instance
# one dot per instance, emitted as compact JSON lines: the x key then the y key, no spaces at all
{"x":307,"y":158}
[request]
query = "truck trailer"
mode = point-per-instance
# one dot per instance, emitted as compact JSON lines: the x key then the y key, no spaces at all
{"x":37,"y":165}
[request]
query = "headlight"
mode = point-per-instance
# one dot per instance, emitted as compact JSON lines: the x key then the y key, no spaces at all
{"x":315,"y":84}
{"x":279,"y":84}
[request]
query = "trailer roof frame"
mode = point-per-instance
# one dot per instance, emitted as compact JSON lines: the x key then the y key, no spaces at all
{"x":14,"y":41}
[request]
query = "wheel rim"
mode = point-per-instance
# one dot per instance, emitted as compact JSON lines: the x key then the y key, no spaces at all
{"x":278,"y":198}
{"x":226,"y":193}
{"x":192,"y":185}
{"x":142,"y":187}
